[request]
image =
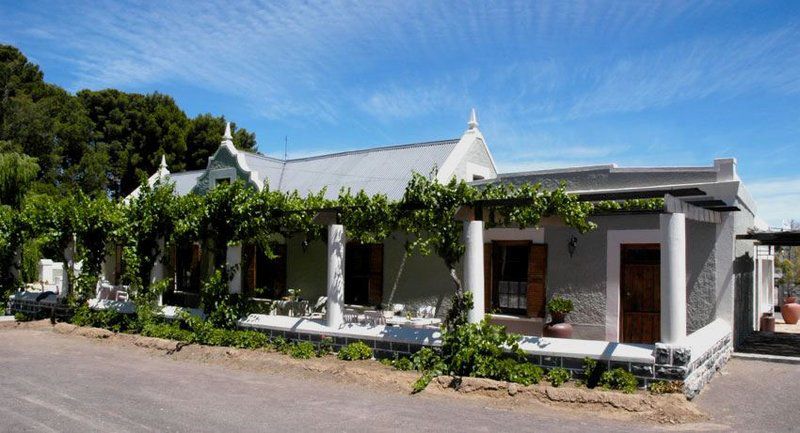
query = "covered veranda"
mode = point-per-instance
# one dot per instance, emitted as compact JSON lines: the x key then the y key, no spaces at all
{"x":770,"y":333}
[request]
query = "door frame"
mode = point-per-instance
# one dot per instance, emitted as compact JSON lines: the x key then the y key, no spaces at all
{"x":614,"y":241}
{"x":638,"y":245}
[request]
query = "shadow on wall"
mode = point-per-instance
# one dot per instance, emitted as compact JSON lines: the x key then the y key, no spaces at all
{"x":743,"y":298}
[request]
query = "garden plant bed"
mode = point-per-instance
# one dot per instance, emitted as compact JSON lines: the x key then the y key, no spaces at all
{"x":639,"y":406}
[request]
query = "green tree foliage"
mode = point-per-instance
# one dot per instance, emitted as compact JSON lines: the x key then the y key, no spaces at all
{"x":102,"y":142}
{"x":17,"y":173}
{"x":11,"y":239}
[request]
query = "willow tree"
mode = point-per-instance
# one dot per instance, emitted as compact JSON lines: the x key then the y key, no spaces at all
{"x":17,"y":173}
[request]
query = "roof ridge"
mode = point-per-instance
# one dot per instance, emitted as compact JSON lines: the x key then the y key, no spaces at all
{"x":261,"y":156}
{"x":377,"y":149}
{"x":187,"y":171}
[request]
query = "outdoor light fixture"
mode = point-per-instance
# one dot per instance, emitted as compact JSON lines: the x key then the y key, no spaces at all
{"x":571,"y":245}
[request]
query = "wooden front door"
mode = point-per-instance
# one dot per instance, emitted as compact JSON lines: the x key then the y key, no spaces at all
{"x":640,"y":287}
{"x":363,"y":274}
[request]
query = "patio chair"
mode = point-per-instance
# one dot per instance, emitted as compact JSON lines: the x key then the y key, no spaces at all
{"x":319,"y":308}
{"x":374,"y":318}
{"x":426,"y":311}
{"x":350,"y":315}
{"x":398,"y":309}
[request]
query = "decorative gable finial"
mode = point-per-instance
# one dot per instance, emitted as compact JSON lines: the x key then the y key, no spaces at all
{"x":163,"y":165}
{"x":227,"y":138}
{"x":473,"y":120}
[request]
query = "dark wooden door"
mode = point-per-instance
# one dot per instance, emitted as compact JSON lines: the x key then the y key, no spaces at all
{"x":363,"y":274}
{"x":640,"y":287}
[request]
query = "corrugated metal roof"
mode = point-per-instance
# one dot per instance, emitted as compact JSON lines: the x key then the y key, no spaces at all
{"x":384,"y":170}
{"x":185,"y":181}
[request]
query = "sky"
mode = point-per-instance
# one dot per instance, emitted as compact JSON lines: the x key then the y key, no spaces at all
{"x":555,"y":84}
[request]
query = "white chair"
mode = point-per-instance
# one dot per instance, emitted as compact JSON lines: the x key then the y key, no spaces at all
{"x":426,"y":311}
{"x":350,"y":315}
{"x":374,"y":318}
{"x":319,"y":308}
{"x":398,"y":309}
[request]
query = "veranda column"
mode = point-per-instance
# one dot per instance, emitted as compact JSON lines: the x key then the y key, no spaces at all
{"x":159,"y":269}
{"x":673,"y":277}
{"x":234,"y":260}
{"x":336,"y":247}
{"x":69,"y":269}
{"x":473,"y":268}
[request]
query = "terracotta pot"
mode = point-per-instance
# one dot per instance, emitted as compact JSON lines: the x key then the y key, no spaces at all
{"x":790,"y":313}
{"x":557,"y":330}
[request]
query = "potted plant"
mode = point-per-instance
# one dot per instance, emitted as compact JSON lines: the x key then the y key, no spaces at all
{"x":558,"y":307}
{"x":790,"y":310}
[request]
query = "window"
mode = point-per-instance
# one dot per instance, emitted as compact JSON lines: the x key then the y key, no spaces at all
{"x":511,"y":276}
{"x":222,"y":181}
{"x":477,"y":177}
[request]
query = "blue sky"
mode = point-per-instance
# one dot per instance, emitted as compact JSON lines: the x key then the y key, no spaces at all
{"x":555,"y":84}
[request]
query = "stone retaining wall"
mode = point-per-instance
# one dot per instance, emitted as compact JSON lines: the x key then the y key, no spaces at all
{"x":702,"y":369}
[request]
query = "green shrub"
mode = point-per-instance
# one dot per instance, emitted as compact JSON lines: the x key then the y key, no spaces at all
{"x":592,"y":370}
{"x":223,"y":309}
{"x":325,"y":346}
{"x":22,"y":317}
{"x":619,"y":379}
{"x":354,"y":351}
{"x":476,"y":349}
{"x":523,"y":373}
{"x":109,"y":319}
{"x":426,"y":359}
{"x":558,"y":376}
{"x":422,"y":383}
{"x":302,"y":350}
{"x":665,"y":387}
{"x":400,"y":363}
{"x":167,"y":331}
{"x":250,"y":340}
{"x":403,"y":363}
{"x":280,"y":344}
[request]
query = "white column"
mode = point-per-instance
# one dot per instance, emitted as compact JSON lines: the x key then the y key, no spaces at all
{"x":234,"y":259}
{"x":159,"y":270}
{"x":336,"y":247}
{"x":69,"y":269}
{"x":673,"y":277}
{"x":473,"y":268}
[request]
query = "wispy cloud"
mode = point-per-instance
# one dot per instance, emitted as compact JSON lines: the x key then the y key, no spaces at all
{"x":777,"y":199}
{"x":694,"y":70}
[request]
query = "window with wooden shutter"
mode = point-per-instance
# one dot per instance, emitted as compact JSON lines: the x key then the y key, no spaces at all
{"x":537,"y":276}
{"x":510,"y":263}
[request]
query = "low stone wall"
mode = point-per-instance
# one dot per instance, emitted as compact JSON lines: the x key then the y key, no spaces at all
{"x":702,"y":369}
{"x":38,"y":305}
{"x":381,"y":347}
{"x":695,"y":360}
